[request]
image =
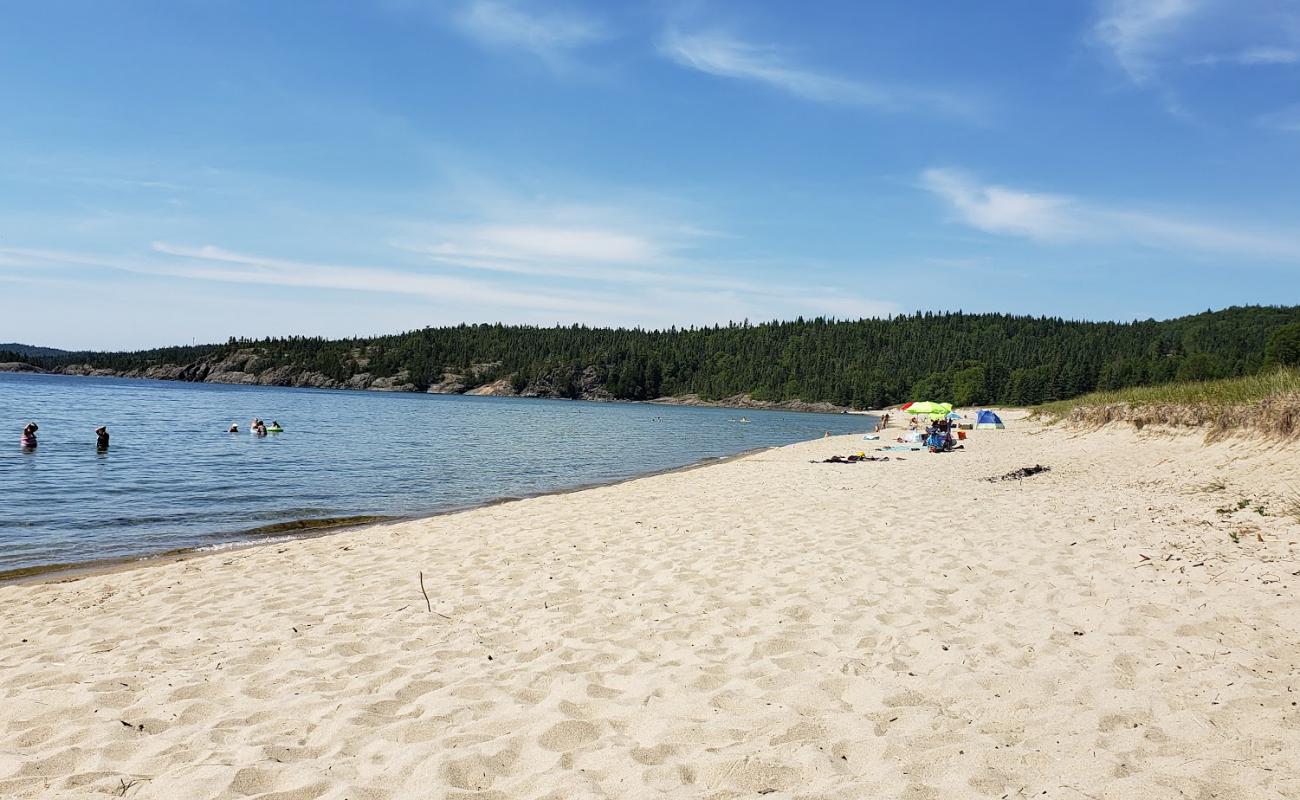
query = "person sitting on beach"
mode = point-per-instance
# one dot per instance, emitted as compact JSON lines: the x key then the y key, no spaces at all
{"x":28,"y":439}
{"x":101,"y":438}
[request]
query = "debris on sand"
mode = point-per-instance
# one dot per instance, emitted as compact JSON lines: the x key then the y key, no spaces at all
{"x":1020,"y":474}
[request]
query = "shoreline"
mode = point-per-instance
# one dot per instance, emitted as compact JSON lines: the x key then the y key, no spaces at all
{"x":66,"y":572}
{"x":688,"y":400}
{"x":774,"y":625}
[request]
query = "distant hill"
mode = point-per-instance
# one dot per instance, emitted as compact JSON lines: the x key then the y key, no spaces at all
{"x":27,"y":350}
{"x":869,"y":363}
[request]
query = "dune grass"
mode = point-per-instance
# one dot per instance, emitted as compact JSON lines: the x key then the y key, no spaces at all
{"x":1266,"y":403}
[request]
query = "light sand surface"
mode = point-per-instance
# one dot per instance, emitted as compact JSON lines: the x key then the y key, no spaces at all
{"x":762,"y":627}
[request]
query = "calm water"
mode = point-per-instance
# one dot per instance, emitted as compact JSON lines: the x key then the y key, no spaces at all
{"x":174,"y":478}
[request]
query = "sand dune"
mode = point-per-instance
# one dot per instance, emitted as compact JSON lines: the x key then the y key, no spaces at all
{"x":762,"y":627}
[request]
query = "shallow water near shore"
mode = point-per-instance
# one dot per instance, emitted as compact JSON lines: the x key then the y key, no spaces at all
{"x":173,"y":478}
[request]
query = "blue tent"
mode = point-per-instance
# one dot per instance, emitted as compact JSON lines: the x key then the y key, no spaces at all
{"x":987,"y":420}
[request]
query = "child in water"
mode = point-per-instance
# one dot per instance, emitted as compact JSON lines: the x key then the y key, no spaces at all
{"x":101,"y":438}
{"x":28,"y":440}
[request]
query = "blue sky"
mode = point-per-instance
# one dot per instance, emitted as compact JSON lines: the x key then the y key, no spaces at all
{"x":180,"y":170}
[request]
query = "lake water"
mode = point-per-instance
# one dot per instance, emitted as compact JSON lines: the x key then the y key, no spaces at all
{"x":173,"y":478}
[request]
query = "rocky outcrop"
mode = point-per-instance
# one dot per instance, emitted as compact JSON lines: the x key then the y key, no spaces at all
{"x":501,"y":388}
{"x":316,"y":380}
{"x":590,"y":386}
{"x":450,"y":383}
{"x":401,"y":382}
{"x":585,"y":384}
{"x":232,"y":376}
{"x":19,"y":366}
{"x":747,"y":401}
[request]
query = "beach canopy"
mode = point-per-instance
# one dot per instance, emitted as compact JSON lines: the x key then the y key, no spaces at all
{"x":926,"y":408}
{"x":987,"y":420}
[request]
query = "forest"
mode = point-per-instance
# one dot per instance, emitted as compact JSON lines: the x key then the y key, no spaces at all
{"x":963,"y":358}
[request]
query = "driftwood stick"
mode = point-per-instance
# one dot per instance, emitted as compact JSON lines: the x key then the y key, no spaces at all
{"x":426,"y":594}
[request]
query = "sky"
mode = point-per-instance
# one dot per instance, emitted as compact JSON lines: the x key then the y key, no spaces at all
{"x":176,"y":171}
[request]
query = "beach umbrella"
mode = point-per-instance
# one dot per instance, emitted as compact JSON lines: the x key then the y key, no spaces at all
{"x":927,"y":408}
{"x":954,"y":415}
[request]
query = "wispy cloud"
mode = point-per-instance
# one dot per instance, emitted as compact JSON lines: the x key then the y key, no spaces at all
{"x":726,"y":56}
{"x":550,"y":35}
{"x":1061,"y":218}
{"x":214,"y":263}
{"x":1261,"y":55}
{"x":1000,"y":209}
{"x":1284,"y":119}
{"x":610,"y":284}
{"x":534,"y":242}
{"x":1137,"y":31}
{"x":660,"y":270}
{"x":1149,"y":40}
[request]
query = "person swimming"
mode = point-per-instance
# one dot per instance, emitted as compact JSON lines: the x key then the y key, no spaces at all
{"x":259,"y":428}
{"x":275,"y":427}
{"x":28,"y":440}
{"x":101,"y":438}
{"x":234,"y":428}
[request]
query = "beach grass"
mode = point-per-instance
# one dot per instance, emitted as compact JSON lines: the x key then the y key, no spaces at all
{"x":1266,"y":403}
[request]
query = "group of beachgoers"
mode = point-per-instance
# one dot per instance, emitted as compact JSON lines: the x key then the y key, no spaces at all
{"x":937,"y":436}
{"x":258,"y":428}
{"x":28,"y":440}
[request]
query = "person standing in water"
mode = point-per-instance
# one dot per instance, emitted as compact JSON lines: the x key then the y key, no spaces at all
{"x":28,"y":440}
{"x":101,"y":438}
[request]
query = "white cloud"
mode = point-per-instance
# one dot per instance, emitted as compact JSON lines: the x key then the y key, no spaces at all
{"x":728,"y":57}
{"x":550,"y":36}
{"x":541,"y":242}
{"x":999,"y":209}
{"x":1137,"y":31}
{"x":1061,"y":218}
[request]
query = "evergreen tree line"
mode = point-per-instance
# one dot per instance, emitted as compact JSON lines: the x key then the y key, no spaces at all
{"x":968,"y":359}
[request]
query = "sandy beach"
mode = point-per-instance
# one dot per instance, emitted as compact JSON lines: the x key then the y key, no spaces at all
{"x":1122,"y":626}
